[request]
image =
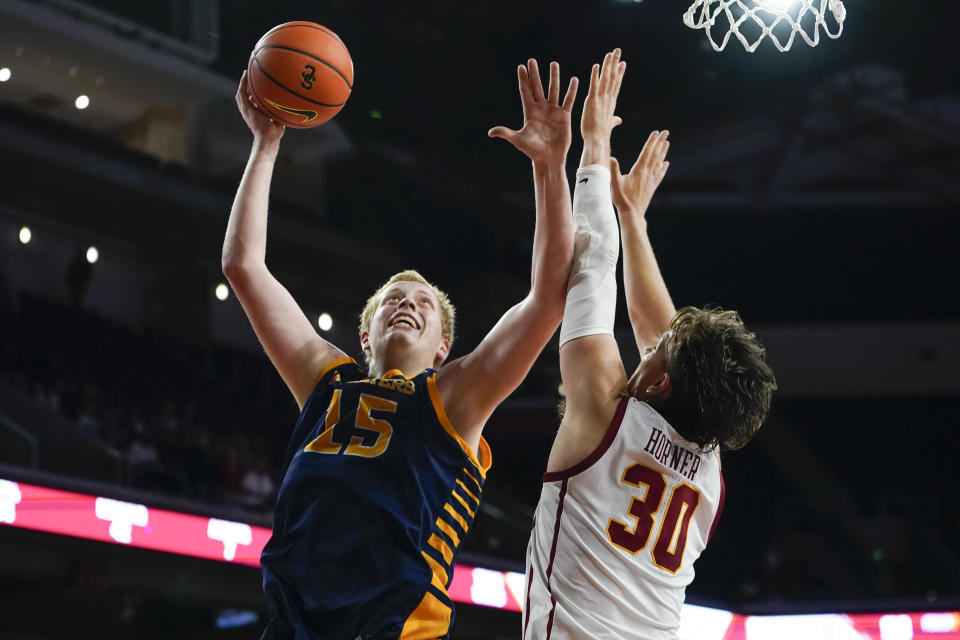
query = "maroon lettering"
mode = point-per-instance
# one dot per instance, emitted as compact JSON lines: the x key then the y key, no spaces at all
{"x":675,"y":458}
{"x":652,"y":442}
{"x":686,"y":460}
{"x":662,"y":556}
{"x":664,"y":450}
{"x":642,"y":510}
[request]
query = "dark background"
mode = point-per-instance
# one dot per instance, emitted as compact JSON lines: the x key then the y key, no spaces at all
{"x":815,"y":191}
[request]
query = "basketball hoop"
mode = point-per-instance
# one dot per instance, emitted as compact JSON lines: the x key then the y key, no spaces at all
{"x":753,"y":20}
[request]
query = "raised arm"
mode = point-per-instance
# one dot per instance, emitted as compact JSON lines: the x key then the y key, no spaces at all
{"x":475,"y":384}
{"x":590,"y":362}
{"x":648,"y":301}
{"x":288,"y":337}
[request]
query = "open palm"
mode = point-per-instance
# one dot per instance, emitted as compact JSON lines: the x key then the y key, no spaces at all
{"x":545,"y":136}
{"x":632,"y":192}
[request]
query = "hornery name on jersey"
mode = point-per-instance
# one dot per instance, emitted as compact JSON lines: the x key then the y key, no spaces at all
{"x":668,"y":453}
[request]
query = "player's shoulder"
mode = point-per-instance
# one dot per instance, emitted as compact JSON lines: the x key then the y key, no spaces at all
{"x":343,"y":366}
{"x":332,"y":372}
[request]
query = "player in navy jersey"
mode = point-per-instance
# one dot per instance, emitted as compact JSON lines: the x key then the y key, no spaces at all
{"x":386,"y":463}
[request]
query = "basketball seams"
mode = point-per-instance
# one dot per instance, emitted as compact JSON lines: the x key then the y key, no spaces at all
{"x":306,"y":26}
{"x":308,"y":55}
{"x":284,"y":53}
{"x":274,"y":81}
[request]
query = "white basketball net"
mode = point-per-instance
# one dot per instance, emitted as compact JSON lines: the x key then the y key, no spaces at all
{"x":753,"y":20}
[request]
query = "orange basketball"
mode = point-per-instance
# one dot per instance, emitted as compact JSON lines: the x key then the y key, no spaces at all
{"x":300,"y":73}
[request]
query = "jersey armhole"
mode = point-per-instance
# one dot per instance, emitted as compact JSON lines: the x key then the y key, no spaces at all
{"x":723,"y":496}
{"x":596,"y":454}
{"x":330,"y":366}
{"x":481,"y":459}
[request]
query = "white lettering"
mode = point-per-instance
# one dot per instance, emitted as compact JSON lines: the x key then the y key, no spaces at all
{"x":123,"y":517}
{"x":488,"y":588}
{"x":10,"y":497}
{"x":230,"y":534}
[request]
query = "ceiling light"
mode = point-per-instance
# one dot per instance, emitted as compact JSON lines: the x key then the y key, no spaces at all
{"x":82,"y":102}
{"x":25,"y":235}
{"x":5,"y":74}
{"x":325,"y":322}
{"x":222,"y":291}
{"x":92,"y":255}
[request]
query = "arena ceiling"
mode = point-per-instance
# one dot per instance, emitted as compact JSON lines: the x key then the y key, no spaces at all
{"x":811,"y":186}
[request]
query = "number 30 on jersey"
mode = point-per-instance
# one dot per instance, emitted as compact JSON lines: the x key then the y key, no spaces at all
{"x":674,"y":522}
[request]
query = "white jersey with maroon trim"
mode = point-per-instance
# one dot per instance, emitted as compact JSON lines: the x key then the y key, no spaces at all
{"x":615,"y":537}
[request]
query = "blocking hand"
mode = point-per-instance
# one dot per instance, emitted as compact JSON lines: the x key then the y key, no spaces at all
{"x":545,"y":136}
{"x":632,"y":192}
{"x":265,"y":130}
{"x":598,"y":119}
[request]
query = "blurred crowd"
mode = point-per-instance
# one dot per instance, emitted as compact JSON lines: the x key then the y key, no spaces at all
{"x":211,"y":423}
{"x":196,"y":421}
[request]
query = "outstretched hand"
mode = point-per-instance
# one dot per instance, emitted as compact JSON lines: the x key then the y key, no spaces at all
{"x":598,"y":119}
{"x":265,"y":129}
{"x":545,"y":136}
{"x":632,"y":192}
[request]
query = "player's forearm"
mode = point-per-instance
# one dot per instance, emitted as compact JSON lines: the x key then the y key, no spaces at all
{"x":246,"y":238}
{"x":596,"y":150}
{"x":648,"y":301}
{"x":553,"y":238}
{"x":591,"y":300}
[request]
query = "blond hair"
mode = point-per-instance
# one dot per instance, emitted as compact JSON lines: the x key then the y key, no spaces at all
{"x":447,"y":312}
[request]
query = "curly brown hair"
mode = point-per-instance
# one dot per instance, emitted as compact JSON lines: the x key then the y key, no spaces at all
{"x":722,"y":384}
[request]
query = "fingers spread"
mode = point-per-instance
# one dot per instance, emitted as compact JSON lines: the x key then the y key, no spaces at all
{"x":523,"y":81}
{"x":616,"y":178}
{"x":554,"y":87}
{"x":536,"y":86}
{"x":571,"y":96}
{"x":502,"y":132}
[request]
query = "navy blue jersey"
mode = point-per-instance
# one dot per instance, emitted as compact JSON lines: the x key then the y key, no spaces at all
{"x":378,"y":493}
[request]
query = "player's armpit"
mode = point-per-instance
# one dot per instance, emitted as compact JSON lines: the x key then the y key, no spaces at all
{"x":471,"y":387}
{"x":593,"y":378}
{"x":288,"y":337}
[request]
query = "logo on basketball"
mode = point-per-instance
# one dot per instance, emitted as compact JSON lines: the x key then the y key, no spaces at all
{"x":306,"y":114}
{"x":308,"y":76}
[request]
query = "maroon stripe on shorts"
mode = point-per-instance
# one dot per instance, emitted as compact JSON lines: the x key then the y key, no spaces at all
{"x":526,"y":610}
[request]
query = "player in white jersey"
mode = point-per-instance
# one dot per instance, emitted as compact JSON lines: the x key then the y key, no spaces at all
{"x":633,"y":487}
